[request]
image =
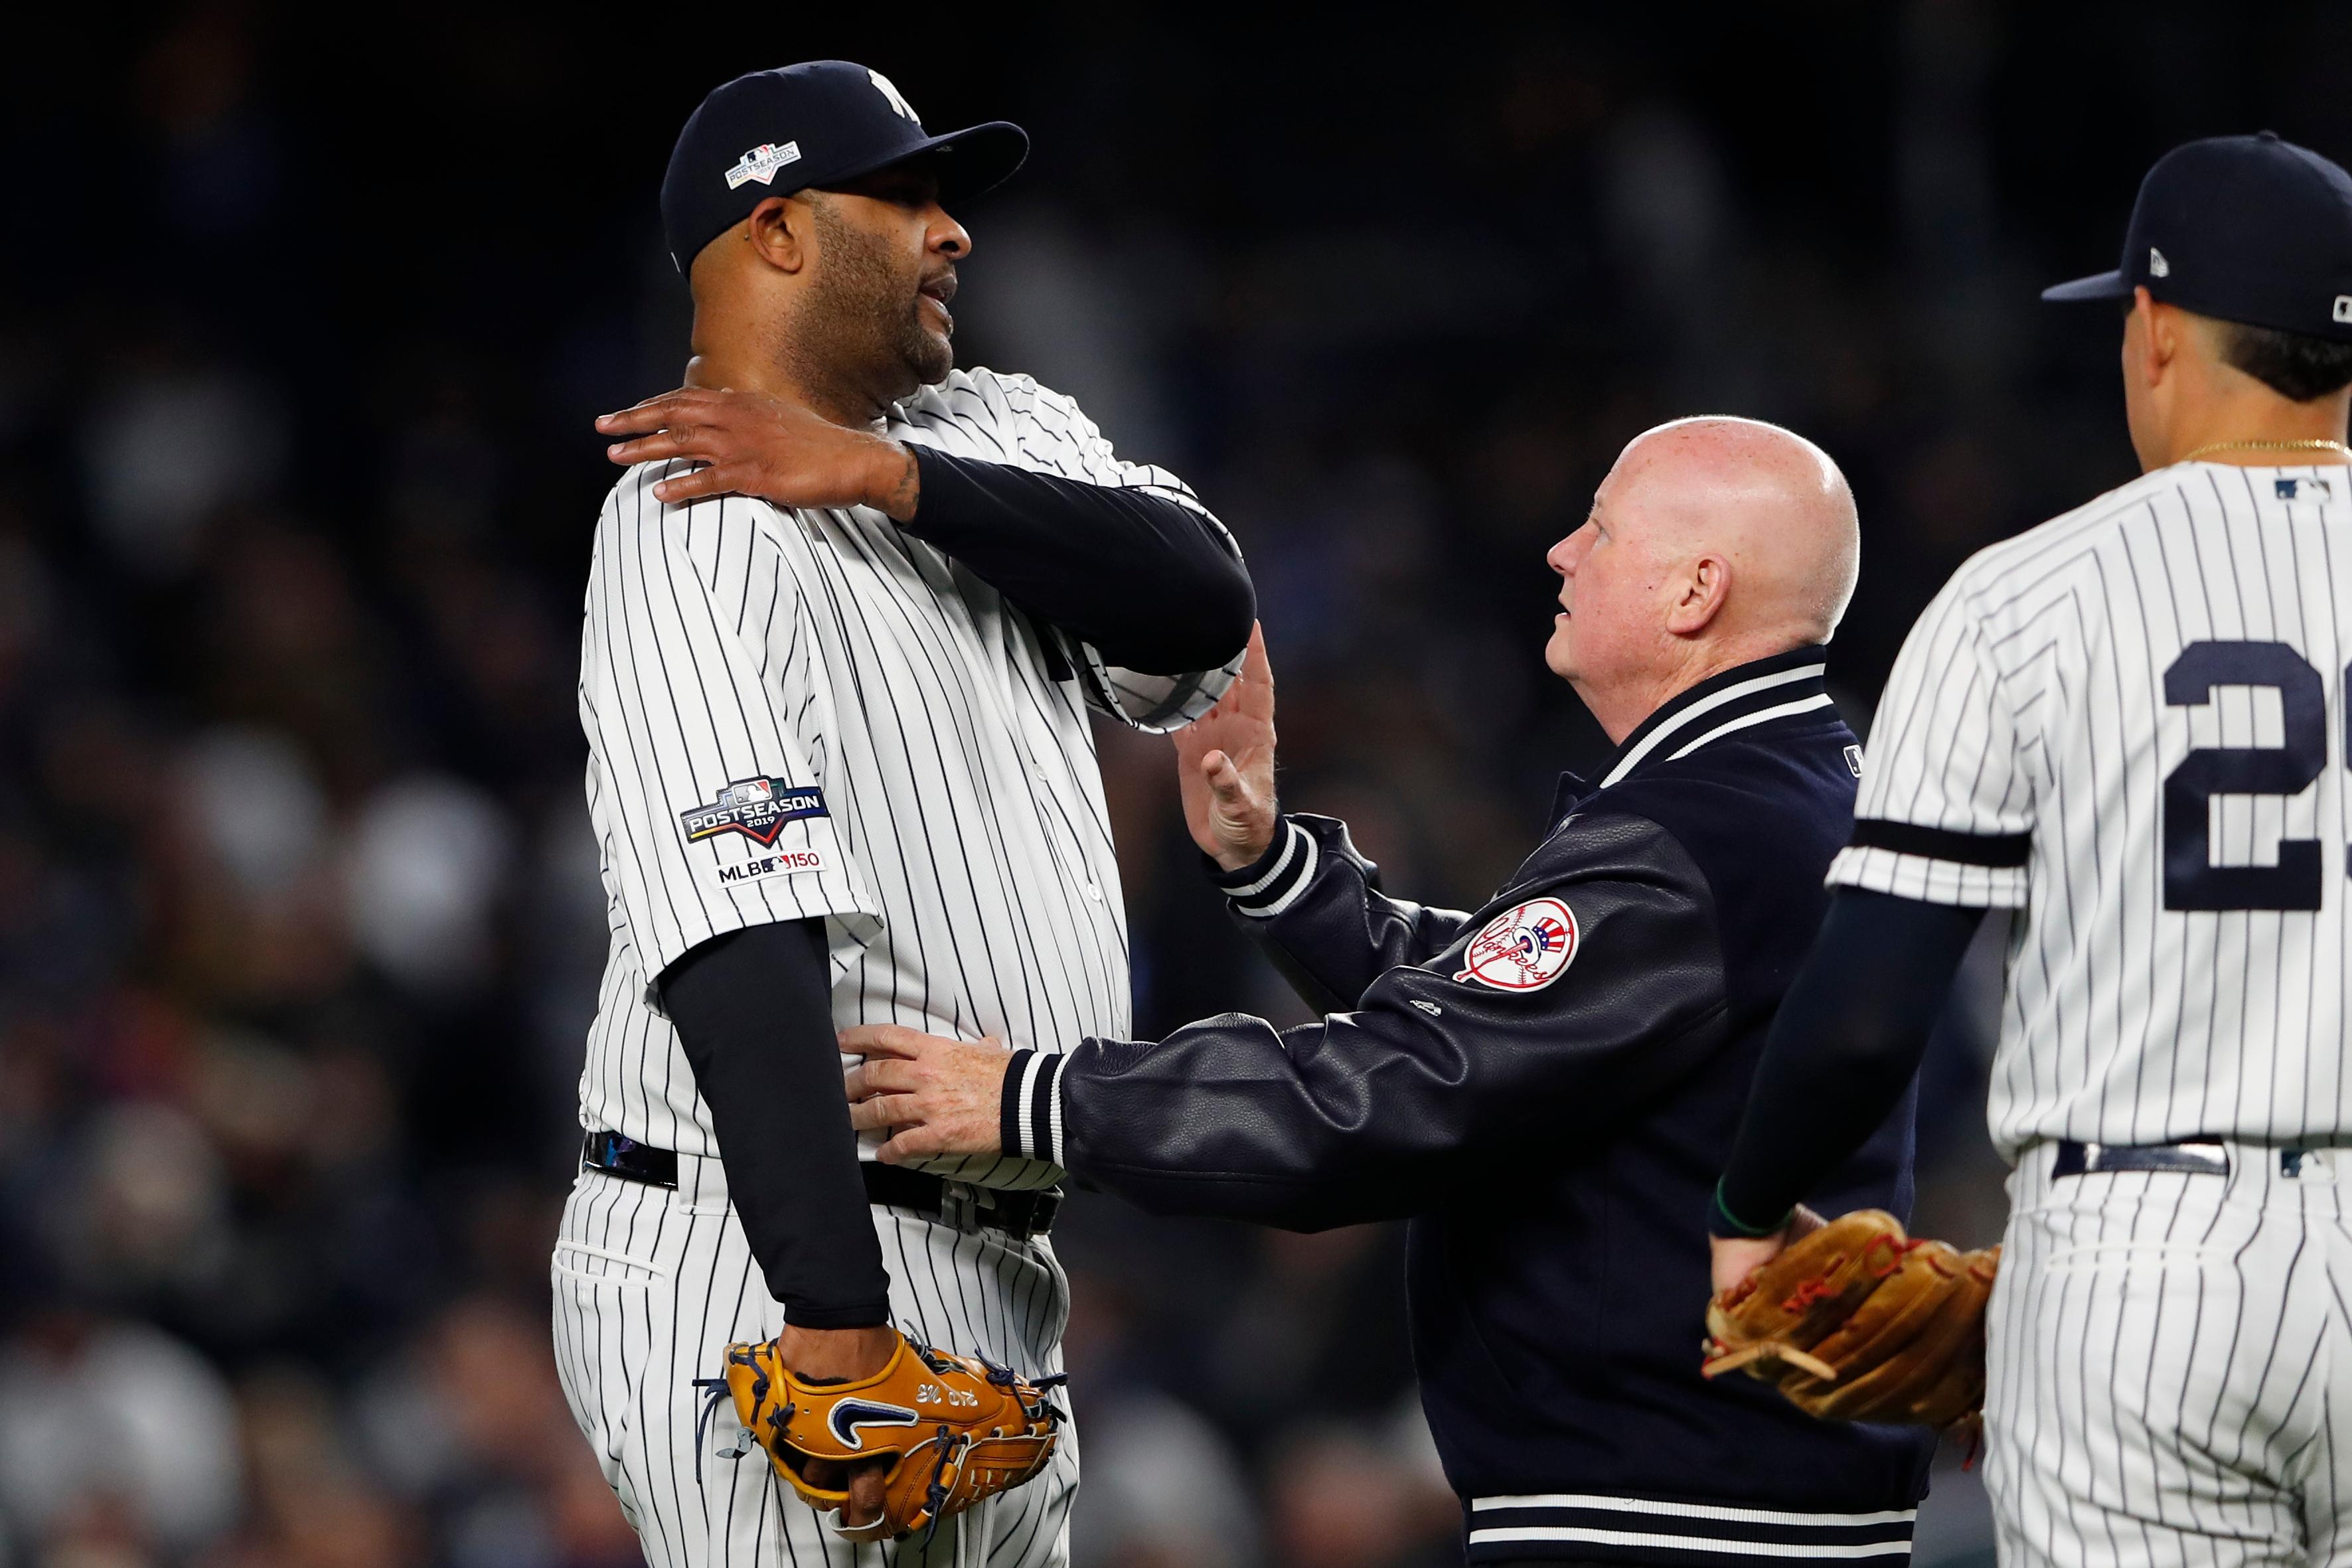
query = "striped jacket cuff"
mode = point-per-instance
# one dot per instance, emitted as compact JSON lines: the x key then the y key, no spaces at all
{"x":1030,"y":1119}
{"x":1274,"y":882}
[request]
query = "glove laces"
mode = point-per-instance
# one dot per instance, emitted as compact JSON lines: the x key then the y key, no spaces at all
{"x":714,"y":1391}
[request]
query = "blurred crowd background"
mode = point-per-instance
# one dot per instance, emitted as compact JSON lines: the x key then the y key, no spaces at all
{"x":304,"y":312}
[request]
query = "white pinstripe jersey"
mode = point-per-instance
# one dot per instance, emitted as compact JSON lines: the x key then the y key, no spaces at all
{"x":794,"y":714}
{"x":2129,"y":723}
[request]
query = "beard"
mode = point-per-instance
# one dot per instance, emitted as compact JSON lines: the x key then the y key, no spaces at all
{"x":862,"y":321}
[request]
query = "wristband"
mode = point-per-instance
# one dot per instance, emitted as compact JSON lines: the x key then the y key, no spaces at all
{"x":1721,"y":1221}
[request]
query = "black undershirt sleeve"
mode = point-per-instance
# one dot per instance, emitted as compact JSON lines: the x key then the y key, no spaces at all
{"x":753,"y":1011}
{"x":1846,"y":1043}
{"x":1149,"y":581}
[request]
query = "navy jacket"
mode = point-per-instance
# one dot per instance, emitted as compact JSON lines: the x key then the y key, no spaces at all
{"x":1547,"y":1087}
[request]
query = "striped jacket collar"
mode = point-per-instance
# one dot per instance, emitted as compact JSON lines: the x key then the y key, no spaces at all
{"x":1740,"y":698}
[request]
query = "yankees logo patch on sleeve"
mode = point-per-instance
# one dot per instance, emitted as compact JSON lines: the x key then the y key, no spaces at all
{"x":1522,"y":949}
{"x":757,"y":808}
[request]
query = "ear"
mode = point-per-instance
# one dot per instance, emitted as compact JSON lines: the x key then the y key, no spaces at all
{"x":1705,"y":586}
{"x":780,"y":231}
{"x":2162,"y":328}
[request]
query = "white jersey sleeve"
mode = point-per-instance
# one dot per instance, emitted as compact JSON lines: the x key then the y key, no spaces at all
{"x":1945,"y":812}
{"x":709,"y":719}
{"x":1011,"y":420}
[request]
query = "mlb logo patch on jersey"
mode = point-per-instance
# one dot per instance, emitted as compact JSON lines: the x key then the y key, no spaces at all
{"x":757,"y":808}
{"x":1522,"y":949}
{"x":2303,"y":489}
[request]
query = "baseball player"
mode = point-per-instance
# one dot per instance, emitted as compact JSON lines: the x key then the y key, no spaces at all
{"x":847,"y":611}
{"x":1542,"y":1084}
{"x":2128,"y":725}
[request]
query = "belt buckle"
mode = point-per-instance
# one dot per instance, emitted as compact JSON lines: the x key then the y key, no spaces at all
{"x":959,"y":1205}
{"x":992,"y":1208}
{"x":997,"y":1209}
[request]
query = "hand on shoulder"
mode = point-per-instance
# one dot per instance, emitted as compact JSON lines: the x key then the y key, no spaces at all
{"x":755,"y":445}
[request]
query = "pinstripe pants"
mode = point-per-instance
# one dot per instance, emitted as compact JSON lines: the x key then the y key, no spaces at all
{"x":2170,"y":1365}
{"x":650,"y":1285}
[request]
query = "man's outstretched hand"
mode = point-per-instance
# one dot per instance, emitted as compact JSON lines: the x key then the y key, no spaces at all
{"x":1225,"y":764}
{"x":932,"y":1094}
{"x":754,"y":445}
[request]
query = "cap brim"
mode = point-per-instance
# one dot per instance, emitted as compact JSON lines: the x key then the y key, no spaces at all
{"x":975,"y":158}
{"x":2102,"y":286}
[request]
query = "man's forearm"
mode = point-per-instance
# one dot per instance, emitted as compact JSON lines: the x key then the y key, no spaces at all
{"x":753,"y":1013}
{"x":1218,"y":1120}
{"x":1148,"y":581}
{"x":1846,"y":1043}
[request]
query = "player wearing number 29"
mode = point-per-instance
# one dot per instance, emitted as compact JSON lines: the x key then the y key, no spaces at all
{"x":2128,"y":725}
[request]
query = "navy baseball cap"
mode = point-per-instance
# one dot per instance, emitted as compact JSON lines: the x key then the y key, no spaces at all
{"x":2242,"y":228}
{"x":817,"y":123}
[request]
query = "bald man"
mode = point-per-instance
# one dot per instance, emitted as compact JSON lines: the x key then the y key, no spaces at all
{"x":1545,"y":1086}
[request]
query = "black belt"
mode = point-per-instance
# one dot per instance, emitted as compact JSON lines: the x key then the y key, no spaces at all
{"x":1021,"y":1213}
{"x":2196,"y":1157}
{"x":2191,"y":1156}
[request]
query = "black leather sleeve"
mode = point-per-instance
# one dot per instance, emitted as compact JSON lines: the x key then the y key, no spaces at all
{"x":1146,"y":578}
{"x":1363,"y":1115}
{"x":1318,"y":904}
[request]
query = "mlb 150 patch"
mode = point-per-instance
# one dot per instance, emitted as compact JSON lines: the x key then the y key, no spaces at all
{"x":782,"y":863}
{"x":756,"y":808}
{"x":1522,"y":949}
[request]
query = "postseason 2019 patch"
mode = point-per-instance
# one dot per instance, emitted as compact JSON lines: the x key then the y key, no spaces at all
{"x":757,"y":808}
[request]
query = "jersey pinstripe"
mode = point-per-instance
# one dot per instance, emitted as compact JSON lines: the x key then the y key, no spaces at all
{"x":815,"y":713}
{"x":2129,"y":723}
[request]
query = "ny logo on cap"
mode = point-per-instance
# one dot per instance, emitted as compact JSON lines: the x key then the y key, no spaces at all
{"x":2157,"y":267}
{"x":898,"y":104}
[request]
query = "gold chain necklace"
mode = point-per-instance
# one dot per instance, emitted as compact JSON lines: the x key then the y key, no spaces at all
{"x":2338,"y":448}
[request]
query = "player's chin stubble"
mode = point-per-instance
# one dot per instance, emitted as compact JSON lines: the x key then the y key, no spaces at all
{"x":869,"y":314}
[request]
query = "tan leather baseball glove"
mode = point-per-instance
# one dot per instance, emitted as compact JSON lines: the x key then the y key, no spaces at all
{"x":1857,"y":1321}
{"x":953,"y":1429}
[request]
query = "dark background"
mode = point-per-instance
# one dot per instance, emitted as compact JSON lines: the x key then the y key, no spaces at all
{"x":304,"y":311}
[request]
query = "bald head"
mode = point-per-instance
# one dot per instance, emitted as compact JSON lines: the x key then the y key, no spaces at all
{"x":1712,"y":541}
{"x":1768,"y":499}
